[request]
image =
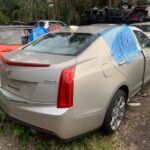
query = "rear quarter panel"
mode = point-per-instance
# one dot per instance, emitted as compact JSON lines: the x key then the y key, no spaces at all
{"x":96,"y":81}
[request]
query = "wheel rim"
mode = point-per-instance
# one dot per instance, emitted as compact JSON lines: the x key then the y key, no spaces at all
{"x":118,"y":113}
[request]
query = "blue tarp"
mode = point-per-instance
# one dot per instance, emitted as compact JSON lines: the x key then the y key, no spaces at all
{"x":122,"y":43}
{"x":37,"y":32}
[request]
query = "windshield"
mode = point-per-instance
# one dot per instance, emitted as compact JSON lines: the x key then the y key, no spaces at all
{"x":145,"y":28}
{"x":10,"y":36}
{"x":62,"y":43}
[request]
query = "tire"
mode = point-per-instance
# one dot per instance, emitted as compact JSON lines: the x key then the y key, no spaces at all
{"x":115,"y":113}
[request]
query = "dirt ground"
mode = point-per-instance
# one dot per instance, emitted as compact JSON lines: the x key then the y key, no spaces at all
{"x":134,"y":133}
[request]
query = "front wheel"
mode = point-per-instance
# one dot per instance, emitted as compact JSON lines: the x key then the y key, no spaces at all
{"x":115,"y":112}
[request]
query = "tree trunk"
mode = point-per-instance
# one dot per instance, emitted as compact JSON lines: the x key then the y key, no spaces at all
{"x":130,"y":1}
{"x":110,"y":3}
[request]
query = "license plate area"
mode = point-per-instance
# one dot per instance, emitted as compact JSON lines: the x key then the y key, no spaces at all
{"x":13,"y":84}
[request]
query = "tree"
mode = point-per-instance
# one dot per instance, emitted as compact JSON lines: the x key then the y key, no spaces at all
{"x":141,"y":2}
{"x":69,"y":11}
{"x":3,"y":19}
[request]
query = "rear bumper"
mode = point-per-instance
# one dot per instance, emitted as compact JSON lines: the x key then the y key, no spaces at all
{"x":61,"y":122}
{"x":44,"y":116}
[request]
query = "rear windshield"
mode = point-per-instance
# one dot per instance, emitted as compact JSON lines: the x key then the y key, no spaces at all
{"x":10,"y":36}
{"x":62,"y":43}
{"x":145,"y":28}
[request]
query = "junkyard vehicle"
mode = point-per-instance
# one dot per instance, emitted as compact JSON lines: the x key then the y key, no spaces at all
{"x":105,"y":15}
{"x":93,"y":15}
{"x":116,"y":15}
{"x":139,"y":14}
{"x":11,"y":37}
{"x":144,"y":26}
{"x":70,"y":83}
{"x":53,"y":25}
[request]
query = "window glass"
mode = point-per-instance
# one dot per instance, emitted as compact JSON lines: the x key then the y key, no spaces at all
{"x":53,"y":25}
{"x":61,"y":24}
{"x":41,"y":22}
{"x":62,"y":43}
{"x":145,"y":28}
{"x":144,"y":41}
{"x":11,"y":36}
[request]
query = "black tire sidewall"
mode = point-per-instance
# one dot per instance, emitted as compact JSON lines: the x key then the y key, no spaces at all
{"x":106,"y":124}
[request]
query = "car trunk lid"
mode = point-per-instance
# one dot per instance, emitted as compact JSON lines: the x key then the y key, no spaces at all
{"x":34,"y":76}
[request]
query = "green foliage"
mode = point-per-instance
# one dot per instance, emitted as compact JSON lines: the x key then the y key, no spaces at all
{"x":141,"y":2}
{"x":21,"y":10}
{"x":3,"y":117}
{"x":94,"y":141}
{"x":3,"y":18}
{"x":26,"y":140}
{"x":22,"y":133}
{"x":69,"y":11}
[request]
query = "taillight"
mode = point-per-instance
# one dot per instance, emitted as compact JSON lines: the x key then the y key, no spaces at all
{"x":23,"y":64}
{"x":66,"y":88}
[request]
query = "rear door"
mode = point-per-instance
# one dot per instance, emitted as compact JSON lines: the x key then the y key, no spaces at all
{"x":132,"y":70}
{"x":144,"y":42}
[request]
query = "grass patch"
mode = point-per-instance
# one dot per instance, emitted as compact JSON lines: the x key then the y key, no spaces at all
{"x":22,"y":133}
{"x":41,"y":141}
{"x":4,"y":117}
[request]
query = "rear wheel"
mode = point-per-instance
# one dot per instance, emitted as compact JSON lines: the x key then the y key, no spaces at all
{"x":115,"y":112}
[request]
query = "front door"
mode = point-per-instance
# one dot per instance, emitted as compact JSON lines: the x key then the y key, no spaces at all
{"x":144,"y":42}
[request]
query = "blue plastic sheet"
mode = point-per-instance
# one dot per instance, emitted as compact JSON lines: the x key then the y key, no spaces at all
{"x":122,"y":43}
{"x":37,"y":32}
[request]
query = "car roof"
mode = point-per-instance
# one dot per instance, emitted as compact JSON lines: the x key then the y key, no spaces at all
{"x":15,"y":27}
{"x":141,"y":23}
{"x":95,"y":28}
{"x":49,"y":21}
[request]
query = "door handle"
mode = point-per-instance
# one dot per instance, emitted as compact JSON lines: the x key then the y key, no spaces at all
{"x":122,"y":62}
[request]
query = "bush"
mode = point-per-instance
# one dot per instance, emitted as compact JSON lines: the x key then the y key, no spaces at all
{"x":3,"y":19}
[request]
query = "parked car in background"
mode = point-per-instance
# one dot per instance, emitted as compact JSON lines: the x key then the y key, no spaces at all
{"x":54,"y":25}
{"x":93,"y":15}
{"x":15,"y":22}
{"x":105,"y":15}
{"x":32,"y":23}
{"x":116,"y":15}
{"x":70,"y":83}
{"x":139,"y":14}
{"x":11,"y":37}
{"x":144,"y":26}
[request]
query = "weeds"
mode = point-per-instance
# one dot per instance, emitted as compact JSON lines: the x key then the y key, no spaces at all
{"x":41,"y":141}
{"x":4,"y":117}
{"x":22,"y":133}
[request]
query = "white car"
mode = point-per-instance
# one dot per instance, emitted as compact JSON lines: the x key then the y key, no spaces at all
{"x":50,"y":24}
